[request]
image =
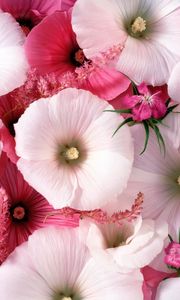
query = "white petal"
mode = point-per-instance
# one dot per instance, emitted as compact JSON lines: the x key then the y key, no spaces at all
{"x":54,"y":183}
{"x":13,"y":63}
{"x":173,"y":84}
{"x":168,"y":289}
{"x":63,"y":259}
{"x":107,"y":284}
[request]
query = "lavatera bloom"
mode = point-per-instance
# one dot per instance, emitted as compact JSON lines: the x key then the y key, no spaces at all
{"x":55,"y":265}
{"x":67,"y":151}
{"x":130,"y":245}
{"x":148,"y":30}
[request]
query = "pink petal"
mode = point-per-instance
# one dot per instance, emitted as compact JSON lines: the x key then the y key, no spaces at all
{"x":50,"y":50}
{"x":106,"y":83}
{"x":141,"y":112}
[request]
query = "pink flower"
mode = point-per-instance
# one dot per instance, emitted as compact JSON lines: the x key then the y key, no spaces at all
{"x":146,"y":105}
{"x":22,"y":209}
{"x":55,"y":264}
{"x":172,"y":257}
{"x":13,"y":64}
{"x":29,"y":13}
{"x":66,"y":148}
{"x":56,"y":51}
{"x":148,"y":29}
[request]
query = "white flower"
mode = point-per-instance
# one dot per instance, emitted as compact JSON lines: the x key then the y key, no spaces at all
{"x":131,"y":245}
{"x":67,"y":151}
{"x":13,"y":64}
{"x":55,"y":265}
{"x":148,"y":30}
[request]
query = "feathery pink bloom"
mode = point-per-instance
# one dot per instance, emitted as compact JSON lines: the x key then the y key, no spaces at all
{"x":55,"y":264}
{"x":13,"y":64}
{"x":22,"y":209}
{"x":66,"y":148}
{"x":172,"y":257}
{"x":146,"y":105}
{"x":57,"y":51}
{"x":103,"y":216}
{"x":29,"y":13}
{"x":148,"y":29}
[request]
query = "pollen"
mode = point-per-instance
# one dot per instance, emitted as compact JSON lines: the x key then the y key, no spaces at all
{"x":139,"y":25}
{"x":66,"y":298}
{"x":71,"y":153}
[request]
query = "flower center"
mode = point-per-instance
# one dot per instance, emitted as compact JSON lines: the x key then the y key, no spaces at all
{"x":18,"y":213}
{"x":67,"y":298}
{"x":26,"y":25}
{"x":139,"y":25}
{"x":71,"y":153}
{"x":178,"y":180}
{"x":79,"y":56}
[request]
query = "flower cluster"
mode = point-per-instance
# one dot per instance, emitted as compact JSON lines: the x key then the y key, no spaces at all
{"x":89,"y":149}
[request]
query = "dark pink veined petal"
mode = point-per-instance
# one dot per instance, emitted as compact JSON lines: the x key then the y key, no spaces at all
{"x":50,"y":44}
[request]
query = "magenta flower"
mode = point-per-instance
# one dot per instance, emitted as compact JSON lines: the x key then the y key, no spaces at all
{"x":22,"y":209}
{"x":56,"y":51}
{"x":172,"y":257}
{"x":30,"y":12}
{"x":146,"y":105}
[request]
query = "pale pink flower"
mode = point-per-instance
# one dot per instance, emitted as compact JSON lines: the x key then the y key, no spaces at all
{"x":57,"y":51}
{"x":55,"y":264}
{"x":174,"y":84}
{"x":67,"y":151}
{"x":22,"y":209}
{"x":148,"y":29}
{"x":169,"y":289}
{"x":13,"y":64}
{"x":131,"y":245}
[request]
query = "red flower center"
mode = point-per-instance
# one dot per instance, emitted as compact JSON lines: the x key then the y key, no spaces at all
{"x":79,"y":56}
{"x":19,"y":213}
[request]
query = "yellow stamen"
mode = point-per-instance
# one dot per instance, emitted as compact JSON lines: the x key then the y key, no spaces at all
{"x":67,"y":298}
{"x":139,"y":25}
{"x":71,"y":153}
